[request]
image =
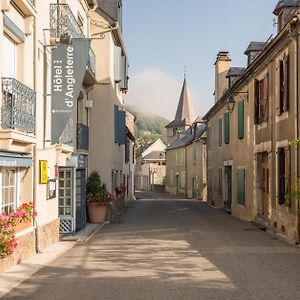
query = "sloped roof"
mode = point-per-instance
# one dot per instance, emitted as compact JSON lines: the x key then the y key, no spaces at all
{"x":188,"y":137}
{"x":183,"y":114}
{"x":255,"y":46}
{"x":156,"y":155}
{"x":234,"y":71}
{"x":285,"y":3}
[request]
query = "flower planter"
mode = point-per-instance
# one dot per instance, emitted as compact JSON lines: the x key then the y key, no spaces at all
{"x":96,"y":212}
{"x":22,"y":226}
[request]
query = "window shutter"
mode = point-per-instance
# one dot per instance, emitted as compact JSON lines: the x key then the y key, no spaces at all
{"x":226,"y":127}
{"x":266,"y":98}
{"x":116,"y":115}
{"x":241,"y":121}
{"x":288,"y":173}
{"x":256,"y":101}
{"x":121,"y":127}
{"x":286,"y":98}
{"x":280,"y":101}
{"x":220,"y":131}
{"x":241,"y":187}
{"x":117,"y":64}
{"x":281,"y":176}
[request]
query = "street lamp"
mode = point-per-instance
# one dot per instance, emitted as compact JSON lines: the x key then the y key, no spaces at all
{"x":230,"y":104}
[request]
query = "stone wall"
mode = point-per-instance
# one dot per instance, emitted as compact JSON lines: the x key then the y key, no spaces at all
{"x":25,"y":249}
{"x":48,"y":234}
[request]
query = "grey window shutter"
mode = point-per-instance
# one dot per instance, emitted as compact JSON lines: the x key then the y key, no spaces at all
{"x":121,"y":127}
{"x":116,"y":116}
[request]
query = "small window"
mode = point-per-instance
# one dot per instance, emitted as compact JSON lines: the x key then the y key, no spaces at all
{"x":284,"y":86}
{"x":8,"y":202}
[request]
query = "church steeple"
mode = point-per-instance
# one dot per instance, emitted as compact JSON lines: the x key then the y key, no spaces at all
{"x":183,"y":113}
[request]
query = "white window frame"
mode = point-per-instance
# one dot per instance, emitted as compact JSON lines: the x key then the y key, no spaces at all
{"x":16,"y":186}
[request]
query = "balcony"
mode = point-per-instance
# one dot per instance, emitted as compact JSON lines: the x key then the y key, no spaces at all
{"x":18,"y":109}
{"x":63,"y":22}
{"x":82,"y":137}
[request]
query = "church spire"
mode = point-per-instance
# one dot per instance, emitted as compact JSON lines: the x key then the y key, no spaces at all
{"x":183,"y":113}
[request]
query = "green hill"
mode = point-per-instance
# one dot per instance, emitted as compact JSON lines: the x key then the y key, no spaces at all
{"x":149,"y":128}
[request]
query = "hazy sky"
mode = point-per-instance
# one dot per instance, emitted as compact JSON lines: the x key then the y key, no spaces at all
{"x":162,"y":36}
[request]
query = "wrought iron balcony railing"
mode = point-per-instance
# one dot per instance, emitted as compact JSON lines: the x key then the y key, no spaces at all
{"x":62,"y":22}
{"x":92,"y":61}
{"x":18,"y":109}
{"x":82,"y":137}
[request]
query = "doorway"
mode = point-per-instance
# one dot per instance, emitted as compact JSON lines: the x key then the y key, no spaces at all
{"x":80,"y":199}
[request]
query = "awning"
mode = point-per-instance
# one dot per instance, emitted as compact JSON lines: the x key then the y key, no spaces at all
{"x":9,"y":159}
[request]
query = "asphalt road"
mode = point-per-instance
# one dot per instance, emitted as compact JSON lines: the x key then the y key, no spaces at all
{"x":164,"y":248}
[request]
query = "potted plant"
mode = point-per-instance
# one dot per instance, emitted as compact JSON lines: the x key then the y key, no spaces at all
{"x":97,"y":198}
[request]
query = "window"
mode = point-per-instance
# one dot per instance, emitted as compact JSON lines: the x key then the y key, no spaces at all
{"x":241,"y":186}
{"x":284,"y":174}
{"x":10,"y":57}
{"x":261,"y":100}
{"x":220,"y":131}
{"x":284,"y":89}
{"x":8,"y":200}
{"x":171,"y":178}
{"x":194,"y":156}
{"x":182,"y":179}
{"x":226,"y":128}
{"x":241,"y":119}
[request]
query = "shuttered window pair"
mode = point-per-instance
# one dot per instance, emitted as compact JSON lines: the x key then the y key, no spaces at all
{"x":283,"y":101}
{"x":284,"y":174}
{"x":261,"y":109}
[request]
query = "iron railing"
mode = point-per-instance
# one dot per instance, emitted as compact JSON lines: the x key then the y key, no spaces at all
{"x":63,"y":22}
{"x":82,"y":137}
{"x":18,"y":109}
{"x":32,"y":2}
{"x":92,"y":61}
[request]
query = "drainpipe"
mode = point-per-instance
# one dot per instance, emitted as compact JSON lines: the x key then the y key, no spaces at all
{"x":34,"y":179}
{"x":294,"y":36}
{"x":296,"y":134}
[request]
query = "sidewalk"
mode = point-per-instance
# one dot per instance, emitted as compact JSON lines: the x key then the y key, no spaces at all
{"x":19,"y":273}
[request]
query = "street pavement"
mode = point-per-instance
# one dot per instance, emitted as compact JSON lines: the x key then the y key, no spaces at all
{"x":167,"y":248}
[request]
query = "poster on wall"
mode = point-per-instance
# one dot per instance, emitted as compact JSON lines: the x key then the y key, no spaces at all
{"x":43,"y":172}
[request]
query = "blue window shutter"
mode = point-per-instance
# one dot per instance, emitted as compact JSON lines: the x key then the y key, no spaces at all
{"x":241,"y":121}
{"x":241,"y":186}
{"x":121,"y":127}
{"x":226,"y":127}
{"x":116,"y":116}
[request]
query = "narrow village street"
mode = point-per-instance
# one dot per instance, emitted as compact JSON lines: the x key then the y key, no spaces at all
{"x":166,"y":248}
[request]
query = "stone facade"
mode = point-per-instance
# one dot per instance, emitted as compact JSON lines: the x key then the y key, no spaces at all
{"x":252,"y":168}
{"x":48,"y":234}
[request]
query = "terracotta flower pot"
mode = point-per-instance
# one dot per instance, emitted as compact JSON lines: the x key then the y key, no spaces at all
{"x":96,"y":212}
{"x":22,"y":226}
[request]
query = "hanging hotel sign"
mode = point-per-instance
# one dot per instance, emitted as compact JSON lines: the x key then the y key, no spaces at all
{"x":68,"y":67}
{"x":43,"y":172}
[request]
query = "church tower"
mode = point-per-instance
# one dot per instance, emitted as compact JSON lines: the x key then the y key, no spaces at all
{"x":183,"y":116}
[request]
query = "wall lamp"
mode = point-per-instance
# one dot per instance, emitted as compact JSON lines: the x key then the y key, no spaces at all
{"x":231,"y":102}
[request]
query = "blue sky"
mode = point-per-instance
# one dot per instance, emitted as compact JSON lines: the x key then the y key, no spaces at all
{"x":162,"y":36}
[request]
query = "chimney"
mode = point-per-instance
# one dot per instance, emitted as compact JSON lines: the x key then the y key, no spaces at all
{"x":222,"y":66}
